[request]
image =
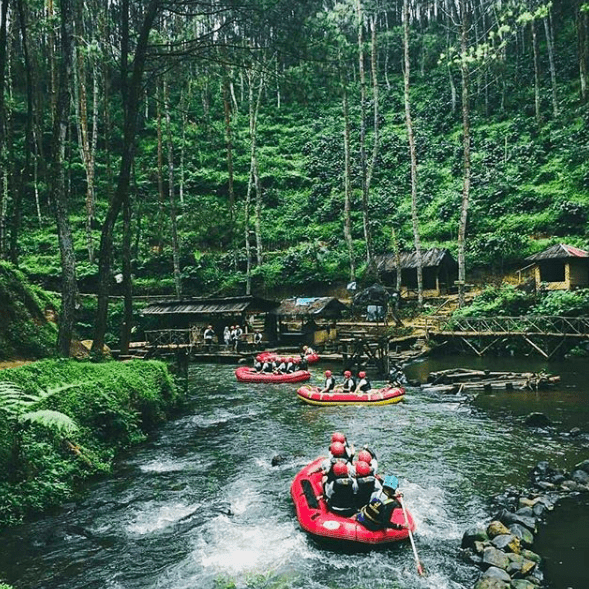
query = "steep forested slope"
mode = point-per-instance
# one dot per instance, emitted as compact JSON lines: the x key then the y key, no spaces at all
{"x":529,"y":137}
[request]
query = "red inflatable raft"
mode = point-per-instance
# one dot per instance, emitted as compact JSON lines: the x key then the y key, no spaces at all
{"x":385,"y":396}
{"x":263,"y":356}
{"x":314,"y":517}
{"x":247,"y":374}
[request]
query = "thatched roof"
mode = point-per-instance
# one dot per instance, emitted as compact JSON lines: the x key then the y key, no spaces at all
{"x":210,"y":306}
{"x":429,"y":258}
{"x":560,"y":251}
{"x":316,"y":306}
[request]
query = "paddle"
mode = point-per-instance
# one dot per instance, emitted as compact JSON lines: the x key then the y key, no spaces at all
{"x":420,"y":569}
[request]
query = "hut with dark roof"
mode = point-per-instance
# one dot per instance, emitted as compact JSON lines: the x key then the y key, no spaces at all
{"x":309,"y":320}
{"x":561,"y":267}
{"x":440,"y":270}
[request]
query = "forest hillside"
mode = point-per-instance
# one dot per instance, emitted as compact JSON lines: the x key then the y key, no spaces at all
{"x":195,"y":148}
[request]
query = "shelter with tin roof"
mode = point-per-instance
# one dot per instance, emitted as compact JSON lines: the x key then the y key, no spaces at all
{"x":560,"y":267}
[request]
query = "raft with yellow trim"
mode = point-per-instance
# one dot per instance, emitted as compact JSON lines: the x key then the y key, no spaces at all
{"x":385,"y":396}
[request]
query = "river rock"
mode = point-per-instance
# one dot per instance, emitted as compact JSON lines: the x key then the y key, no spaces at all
{"x":583,"y":466}
{"x":575,"y":432}
{"x":570,"y":485}
{"x":497,"y":573}
{"x":494,"y":557}
{"x":537,"y":420}
{"x":507,"y":542}
{"x":526,"y":537}
{"x":496,"y":528}
{"x":509,"y":518}
{"x":278,"y":460}
{"x":472,"y":535}
{"x":519,"y":566}
{"x":531,"y":556}
{"x":580,"y":476}
{"x":490,"y":583}
{"x":522,"y":584}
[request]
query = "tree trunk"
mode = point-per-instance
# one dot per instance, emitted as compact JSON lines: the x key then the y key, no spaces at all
{"x":583,"y":43}
{"x":466,"y":151}
{"x":229,"y":148}
{"x":58,"y":182}
{"x":131,"y":110}
{"x":537,"y":103}
{"x":160,"y":170}
{"x":363,"y":159}
{"x":171,"y":195}
{"x":412,"y":152}
{"x":127,"y":324}
{"x":347,"y":178}
{"x":550,"y":46}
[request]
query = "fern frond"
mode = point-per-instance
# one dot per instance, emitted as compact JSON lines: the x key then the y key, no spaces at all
{"x":51,"y":419}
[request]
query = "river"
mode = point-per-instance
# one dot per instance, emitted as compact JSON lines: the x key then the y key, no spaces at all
{"x":201,"y":506}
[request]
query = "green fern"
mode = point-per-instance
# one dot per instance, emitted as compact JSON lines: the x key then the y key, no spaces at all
{"x":19,"y":406}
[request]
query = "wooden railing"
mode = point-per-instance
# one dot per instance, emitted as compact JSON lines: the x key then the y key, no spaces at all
{"x":529,"y":325}
{"x":169,"y":337}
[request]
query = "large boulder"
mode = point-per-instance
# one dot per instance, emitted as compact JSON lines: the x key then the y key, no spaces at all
{"x":491,"y":583}
{"x":508,"y":518}
{"x":522,"y":584}
{"x":537,"y":420}
{"x":497,"y":573}
{"x":526,"y":537}
{"x":519,"y":566}
{"x":472,"y":535}
{"x":580,"y":476}
{"x":496,"y":528}
{"x":507,"y":542}
{"x":493,"y":557}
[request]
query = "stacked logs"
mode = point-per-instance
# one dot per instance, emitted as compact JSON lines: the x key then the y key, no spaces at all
{"x":464,"y":380}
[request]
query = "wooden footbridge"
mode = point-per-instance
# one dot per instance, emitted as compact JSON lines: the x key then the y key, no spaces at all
{"x":547,"y":336}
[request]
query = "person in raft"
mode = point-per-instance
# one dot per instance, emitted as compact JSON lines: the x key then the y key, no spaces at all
{"x":258,"y":364}
{"x":366,"y":483}
{"x":291,"y":366}
{"x":349,"y":384}
{"x":337,"y":453}
{"x":281,"y":367}
{"x":329,"y":385}
{"x":397,"y":377}
{"x":349,"y":448}
{"x":341,"y":490}
{"x":376,"y":515}
{"x":369,"y":456}
{"x":308,"y":351}
{"x":268,"y":367}
{"x":363,"y":387}
{"x":302,"y":362}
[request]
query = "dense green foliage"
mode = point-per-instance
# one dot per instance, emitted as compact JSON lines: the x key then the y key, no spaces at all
{"x":113,"y":406}
{"x":25,"y":332}
{"x":509,"y":301}
{"x":529,"y":133}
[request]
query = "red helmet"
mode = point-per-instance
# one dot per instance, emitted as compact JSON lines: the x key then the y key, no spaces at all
{"x":364,"y":456}
{"x":340,"y":469}
{"x":260,"y":358}
{"x":328,"y":373}
{"x":362,"y":374}
{"x":337,"y":449}
{"x":347,"y":374}
{"x":291,"y":360}
{"x":338,"y":437}
{"x":362,"y":468}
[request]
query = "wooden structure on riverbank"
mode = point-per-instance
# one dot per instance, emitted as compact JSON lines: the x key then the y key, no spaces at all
{"x":547,"y":336}
{"x":464,"y":380}
{"x":560,"y":267}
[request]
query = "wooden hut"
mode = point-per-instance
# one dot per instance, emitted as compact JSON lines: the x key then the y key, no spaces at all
{"x":308,"y":320}
{"x":560,"y":267}
{"x":440,"y":270}
{"x":183,"y":321}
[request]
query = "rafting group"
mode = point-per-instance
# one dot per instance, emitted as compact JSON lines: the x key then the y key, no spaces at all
{"x":345,"y":499}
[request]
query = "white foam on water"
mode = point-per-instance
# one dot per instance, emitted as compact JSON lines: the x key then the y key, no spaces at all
{"x":152,"y":518}
{"x":169,"y":465}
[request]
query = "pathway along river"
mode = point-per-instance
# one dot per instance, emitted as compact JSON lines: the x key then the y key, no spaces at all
{"x":201,"y":506}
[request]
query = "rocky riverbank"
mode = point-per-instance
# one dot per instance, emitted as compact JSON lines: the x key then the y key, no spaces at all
{"x":502,"y":549}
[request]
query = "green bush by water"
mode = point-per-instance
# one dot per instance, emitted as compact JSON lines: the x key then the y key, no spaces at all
{"x":113,"y":405}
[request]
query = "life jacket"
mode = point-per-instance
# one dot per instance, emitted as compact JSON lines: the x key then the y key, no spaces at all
{"x":342,"y":498}
{"x":258,"y":366}
{"x":290,"y":367}
{"x":376,"y":515}
{"x":329,"y":383}
{"x":330,"y":476}
{"x":365,"y":385}
{"x":267,"y":367}
{"x":349,"y":384}
{"x":364,"y":491}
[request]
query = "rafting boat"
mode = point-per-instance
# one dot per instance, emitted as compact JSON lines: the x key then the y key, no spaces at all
{"x":247,"y":374}
{"x":263,"y":356}
{"x":385,"y":396}
{"x":314,"y":517}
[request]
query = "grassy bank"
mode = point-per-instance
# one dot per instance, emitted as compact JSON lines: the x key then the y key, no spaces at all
{"x":63,"y":421}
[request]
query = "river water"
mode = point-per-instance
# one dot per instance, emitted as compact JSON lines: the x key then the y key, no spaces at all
{"x":201,"y":506}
